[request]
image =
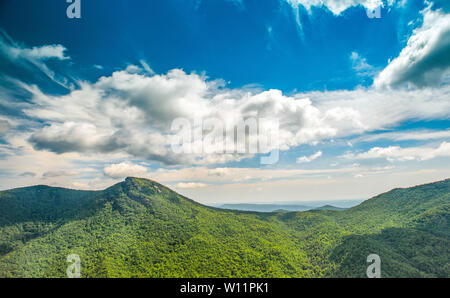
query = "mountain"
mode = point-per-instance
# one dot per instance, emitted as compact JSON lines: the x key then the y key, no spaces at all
{"x":265,"y":207}
{"x":140,"y":228}
{"x":291,"y":206}
{"x":330,"y":207}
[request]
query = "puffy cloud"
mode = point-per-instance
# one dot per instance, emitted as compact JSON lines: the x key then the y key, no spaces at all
{"x":397,"y":153}
{"x":22,"y":161}
{"x":41,"y":53}
{"x":425,"y":59}
{"x":125,"y":169}
{"x":190,"y":185}
{"x":15,"y":51}
{"x":132,"y":112}
{"x":71,"y":137}
{"x":305,"y":159}
{"x":371,"y":109}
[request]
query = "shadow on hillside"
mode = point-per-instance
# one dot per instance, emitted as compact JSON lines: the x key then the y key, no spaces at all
{"x":44,"y":204}
{"x":403,"y":253}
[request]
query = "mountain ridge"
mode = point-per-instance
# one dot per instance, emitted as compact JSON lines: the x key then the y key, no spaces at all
{"x":141,"y":228}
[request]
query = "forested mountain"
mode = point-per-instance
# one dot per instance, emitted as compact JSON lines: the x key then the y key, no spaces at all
{"x":266,"y":207}
{"x":139,"y":228}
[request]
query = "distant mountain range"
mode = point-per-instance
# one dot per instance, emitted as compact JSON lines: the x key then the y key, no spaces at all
{"x":140,"y":228}
{"x":329,"y":207}
{"x":265,"y":207}
{"x":286,"y":207}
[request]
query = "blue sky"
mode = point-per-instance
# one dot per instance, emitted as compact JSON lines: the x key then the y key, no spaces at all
{"x":220,"y":38}
{"x":363,"y":103}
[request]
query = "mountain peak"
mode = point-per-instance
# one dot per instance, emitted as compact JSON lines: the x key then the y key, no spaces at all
{"x":142,"y":181}
{"x":145,"y":186}
{"x":130,"y":178}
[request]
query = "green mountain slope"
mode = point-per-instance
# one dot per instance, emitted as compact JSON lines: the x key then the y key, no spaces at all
{"x":139,"y":228}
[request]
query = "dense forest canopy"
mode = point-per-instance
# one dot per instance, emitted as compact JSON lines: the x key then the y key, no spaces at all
{"x":139,"y":228}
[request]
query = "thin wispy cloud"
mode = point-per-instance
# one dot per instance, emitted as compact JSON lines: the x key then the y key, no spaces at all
{"x":397,"y":153}
{"x":306,"y":159}
{"x":34,"y":57}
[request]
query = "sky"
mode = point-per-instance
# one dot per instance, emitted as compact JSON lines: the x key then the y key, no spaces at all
{"x":358,"y":90}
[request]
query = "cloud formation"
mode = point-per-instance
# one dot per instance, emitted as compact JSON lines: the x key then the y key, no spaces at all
{"x":33,"y":57}
{"x":132,"y":111}
{"x":190,"y":185}
{"x":413,"y":135}
{"x":306,"y":159}
{"x":17,"y":52}
{"x":338,"y":6}
{"x":426,"y":58}
{"x":127,"y":115}
{"x":397,"y":153}
{"x":125,"y":169}
{"x":360,"y":65}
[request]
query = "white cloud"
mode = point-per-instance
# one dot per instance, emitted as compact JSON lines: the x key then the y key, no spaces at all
{"x":410,"y":135}
{"x":360,"y":65}
{"x":305,"y":159}
{"x":241,"y":175}
{"x":146,"y":67}
{"x":132,"y":112}
{"x":425,"y":59}
{"x":26,"y":166}
{"x":125,"y":169}
{"x":372,"y":110}
{"x":397,"y":153}
{"x":15,"y":51}
{"x":190,"y":185}
{"x":338,"y":6}
{"x":317,"y":187}
{"x":41,"y":53}
{"x":35,"y":56}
